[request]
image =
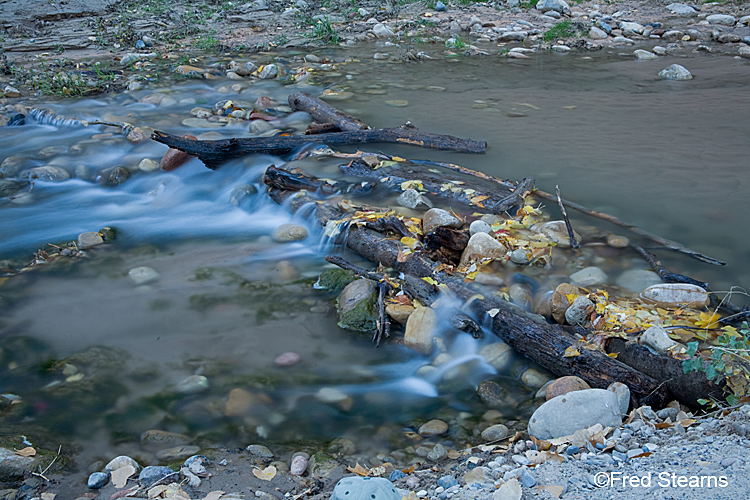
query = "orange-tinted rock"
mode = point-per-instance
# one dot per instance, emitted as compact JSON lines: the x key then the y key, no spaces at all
{"x":174,"y":158}
{"x":559,"y":302}
{"x":564,"y":385}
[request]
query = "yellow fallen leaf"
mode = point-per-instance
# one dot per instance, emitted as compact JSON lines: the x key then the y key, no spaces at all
{"x":571,"y":352}
{"x":214,"y":495}
{"x":410,"y":242}
{"x":708,"y":320}
{"x":431,"y":281}
{"x":613,"y":355}
{"x":412,"y":184}
{"x":266,"y":474}
{"x":119,"y":477}
{"x":26,"y":452}
{"x":478,"y":199}
{"x":359,"y":470}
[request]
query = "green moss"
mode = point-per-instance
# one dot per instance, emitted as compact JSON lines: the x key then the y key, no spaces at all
{"x":363,"y":317}
{"x":335,"y":280}
{"x":560,"y":30}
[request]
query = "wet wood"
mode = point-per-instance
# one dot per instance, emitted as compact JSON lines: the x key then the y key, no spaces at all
{"x":571,"y":235}
{"x":435,"y":183}
{"x":214,"y":153}
{"x":685,"y":387}
{"x":324,"y":113}
{"x":668,"y":244}
{"x":446,"y":244}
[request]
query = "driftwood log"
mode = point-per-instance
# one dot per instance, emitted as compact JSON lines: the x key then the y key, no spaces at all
{"x":540,"y":341}
{"x":324,"y":113}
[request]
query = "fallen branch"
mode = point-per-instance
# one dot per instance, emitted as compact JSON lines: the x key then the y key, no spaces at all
{"x":571,"y":234}
{"x":324,"y":113}
{"x":214,"y":153}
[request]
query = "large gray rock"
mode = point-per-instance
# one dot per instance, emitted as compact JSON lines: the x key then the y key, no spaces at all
{"x":630,"y":28}
{"x":682,"y":10}
{"x":644,"y":55}
{"x":724,"y":19}
{"x":13,"y":467}
{"x":557,"y":231}
{"x":563,"y":415}
{"x":675,"y":72}
{"x":676,"y":295}
{"x":357,"y":306}
{"x":588,"y":276}
{"x":597,"y":34}
{"x":560,"y":6}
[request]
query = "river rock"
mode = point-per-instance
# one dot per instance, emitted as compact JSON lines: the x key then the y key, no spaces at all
{"x":682,"y":10}
{"x":259,"y":451}
{"x":335,"y":280}
{"x":287,"y":359}
{"x":437,"y":217}
{"x":399,"y":312}
{"x":560,"y":6}
{"x":656,"y":338}
{"x":622,"y":393}
{"x":637,"y":280}
{"x":675,"y":72}
{"x":482,"y":246}
{"x":432,"y":428}
{"x":644,"y":55}
{"x":153,"y":474}
{"x":13,"y":466}
{"x":174,"y":158}
{"x":380,"y":30}
{"x":89,"y":240}
{"x":122,"y":461}
{"x":117,"y":176}
{"x":744,"y":51}
{"x":498,"y":354}
{"x":495,"y":432}
{"x":11,"y":92}
{"x":177,"y":453}
{"x":97,"y":480}
{"x":556,"y":231}
{"x":723,"y":19}
{"x":47,"y":173}
{"x":10,"y":187}
{"x":630,"y":28}
{"x":241,"y":402}
{"x":588,"y":277}
{"x":560,"y":301}
{"x":148,"y":165}
{"x":142,"y":275}
{"x":579,"y":311}
{"x":479,"y":226}
{"x":357,"y":487}
{"x":412,"y":199}
{"x":597,"y":33}
{"x":298,"y":465}
{"x":533,"y":378}
{"x":563,"y":415}
{"x":676,"y":295}
{"x":617,"y":241}
{"x":564,"y":385}
{"x":161,"y":438}
{"x":490,"y":393}
{"x":289,"y":232}
{"x":357,"y":306}
{"x":512,"y":36}
{"x":420,"y":330}
{"x":192,"y":385}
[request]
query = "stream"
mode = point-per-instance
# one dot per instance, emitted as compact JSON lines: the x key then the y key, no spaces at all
{"x":97,"y":359}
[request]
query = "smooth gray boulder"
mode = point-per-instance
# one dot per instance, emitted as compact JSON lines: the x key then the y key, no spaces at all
{"x":565,"y":414}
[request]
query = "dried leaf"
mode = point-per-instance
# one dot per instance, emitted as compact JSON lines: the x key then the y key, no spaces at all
{"x":493,"y":312}
{"x":359,"y":470}
{"x":430,"y":280}
{"x":266,"y":474}
{"x":120,"y":476}
{"x":478,"y":199}
{"x":410,"y":242}
{"x":663,"y":425}
{"x":214,"y":495}
{"x":571,"y":352}
{"x":644,"y":454}
{"x":613,"y":355}
{"x":26,"y":452}
{"x":408,"y":470}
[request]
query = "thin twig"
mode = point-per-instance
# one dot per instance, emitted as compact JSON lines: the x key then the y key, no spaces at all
{"x":571,"y":234}
{"x":42,"y":474}
{"x":669,"y":244}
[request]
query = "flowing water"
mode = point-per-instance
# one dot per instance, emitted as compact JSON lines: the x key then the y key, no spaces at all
{"x":96,"y":359}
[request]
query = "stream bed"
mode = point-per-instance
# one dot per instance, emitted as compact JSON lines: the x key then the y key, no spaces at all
{"x":98,"y":358}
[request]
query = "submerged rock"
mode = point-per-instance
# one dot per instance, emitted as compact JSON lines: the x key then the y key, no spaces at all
{"x":675,"y":72}
{"x":289,"y":232}
{"x":676,"y":295}
{"x":557,"y":231}
{"x":432,"y":428}
{"x":334,"y":280}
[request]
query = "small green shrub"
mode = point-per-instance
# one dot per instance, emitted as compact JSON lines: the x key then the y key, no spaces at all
{"x":560,"y":30}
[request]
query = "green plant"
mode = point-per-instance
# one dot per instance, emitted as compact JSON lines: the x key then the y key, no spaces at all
{"x":728,"y":360}
{"x":530,"y":4}
{"x":207,"y":42}
{"x":560,"y":30}
{"x":320,"y":30}
{"x":456,"y":43}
